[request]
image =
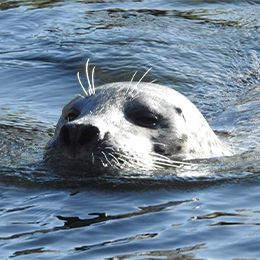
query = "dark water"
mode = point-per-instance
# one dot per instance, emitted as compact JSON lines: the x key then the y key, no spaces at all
{"x":207,"y":50}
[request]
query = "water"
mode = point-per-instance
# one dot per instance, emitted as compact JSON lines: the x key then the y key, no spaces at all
{"x":207,"y":50}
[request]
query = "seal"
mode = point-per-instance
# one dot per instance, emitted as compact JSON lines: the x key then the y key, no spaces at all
{"x":133,"y":125}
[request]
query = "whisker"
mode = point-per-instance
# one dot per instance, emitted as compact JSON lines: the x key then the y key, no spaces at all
{"x":93,"y":158}
{"x":108,"y":147}
{"x":103,"y":164}
{"x":133,"y":161}
{"x":123,"y":163}
{"x":159,"y":155}
{"x":84,"y":90}
{"x":141,"y":90}
{"x":162,"y":164}
{"x":129,"y":86}
{"x":89,"y":84}
{"x":106,"y":158}
{"x":93,"y":85}
{"x":110,"y":154}
{"x":168,"y":160}
{"x":135,"y":87}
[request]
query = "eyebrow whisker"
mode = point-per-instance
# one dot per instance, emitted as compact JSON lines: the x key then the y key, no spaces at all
{"x":89,"y":84}
{"x":84,"y":90}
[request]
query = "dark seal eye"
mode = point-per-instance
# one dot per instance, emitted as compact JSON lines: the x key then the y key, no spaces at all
{"x":144,"y":118}
{"x":72,"y":115}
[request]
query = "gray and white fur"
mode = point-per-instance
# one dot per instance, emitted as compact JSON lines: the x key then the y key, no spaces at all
{"x":133,"y":125}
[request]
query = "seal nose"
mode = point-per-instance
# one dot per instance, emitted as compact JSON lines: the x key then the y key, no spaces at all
{"x":88,"y":134}
{"x":72,"y":135}
{"x":65,"y":135}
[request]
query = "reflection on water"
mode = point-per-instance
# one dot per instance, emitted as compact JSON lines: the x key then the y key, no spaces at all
{"x":180,"y":253}
{"x":208,"y":50}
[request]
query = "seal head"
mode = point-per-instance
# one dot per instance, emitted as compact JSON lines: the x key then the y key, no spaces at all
{"x":134,"y":125}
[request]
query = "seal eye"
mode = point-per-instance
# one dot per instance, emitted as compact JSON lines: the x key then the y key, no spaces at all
{"x":145,"y":119}
{"x":72,"y":116}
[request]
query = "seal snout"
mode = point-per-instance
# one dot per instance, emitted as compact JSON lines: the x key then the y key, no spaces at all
{"x":88,"y":134}
{"x":74,"y":136}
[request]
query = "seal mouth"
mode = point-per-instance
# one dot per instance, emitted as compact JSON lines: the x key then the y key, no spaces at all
{"x":91,"y":151}
{"x":119,"y":159}
{"x":106,"y":157}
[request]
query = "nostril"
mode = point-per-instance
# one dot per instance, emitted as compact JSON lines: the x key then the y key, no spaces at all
{"x":65,"y":135}
{"x":87,"y":134}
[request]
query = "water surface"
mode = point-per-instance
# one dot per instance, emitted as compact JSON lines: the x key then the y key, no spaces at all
{"x":207,"y":50}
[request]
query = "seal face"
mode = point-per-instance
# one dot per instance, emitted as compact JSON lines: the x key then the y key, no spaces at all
{"x":133,"y":124}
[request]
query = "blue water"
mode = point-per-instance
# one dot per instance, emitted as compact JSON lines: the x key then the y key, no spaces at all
{"x":207,"y":50}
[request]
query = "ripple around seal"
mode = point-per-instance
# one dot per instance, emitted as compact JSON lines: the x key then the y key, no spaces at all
{"x":69,"y":176}
{"x":23,"y":140}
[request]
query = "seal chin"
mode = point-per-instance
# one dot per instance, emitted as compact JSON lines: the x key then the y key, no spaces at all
{"x":133,"y":125}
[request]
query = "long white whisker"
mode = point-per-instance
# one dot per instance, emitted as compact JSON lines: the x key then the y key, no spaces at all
{"x":160,"y":155}
{"x":135,"y":87}
{"x":103,"y":164}
{"x":89,"y":84}
{"x":162,"y":158}
{"x":108,"y":147}
{"x":129,"y":86}
{"x":93,"y":85}
{"x":84,"y":90}
{"x":157,"y":164}
{"x":110,"y":154}
{"x":133,"y":161}
{"x":167,"y":165}
{"x":134,"y":97}
{"x":131,"y":81}
{"x":106,"y":158}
